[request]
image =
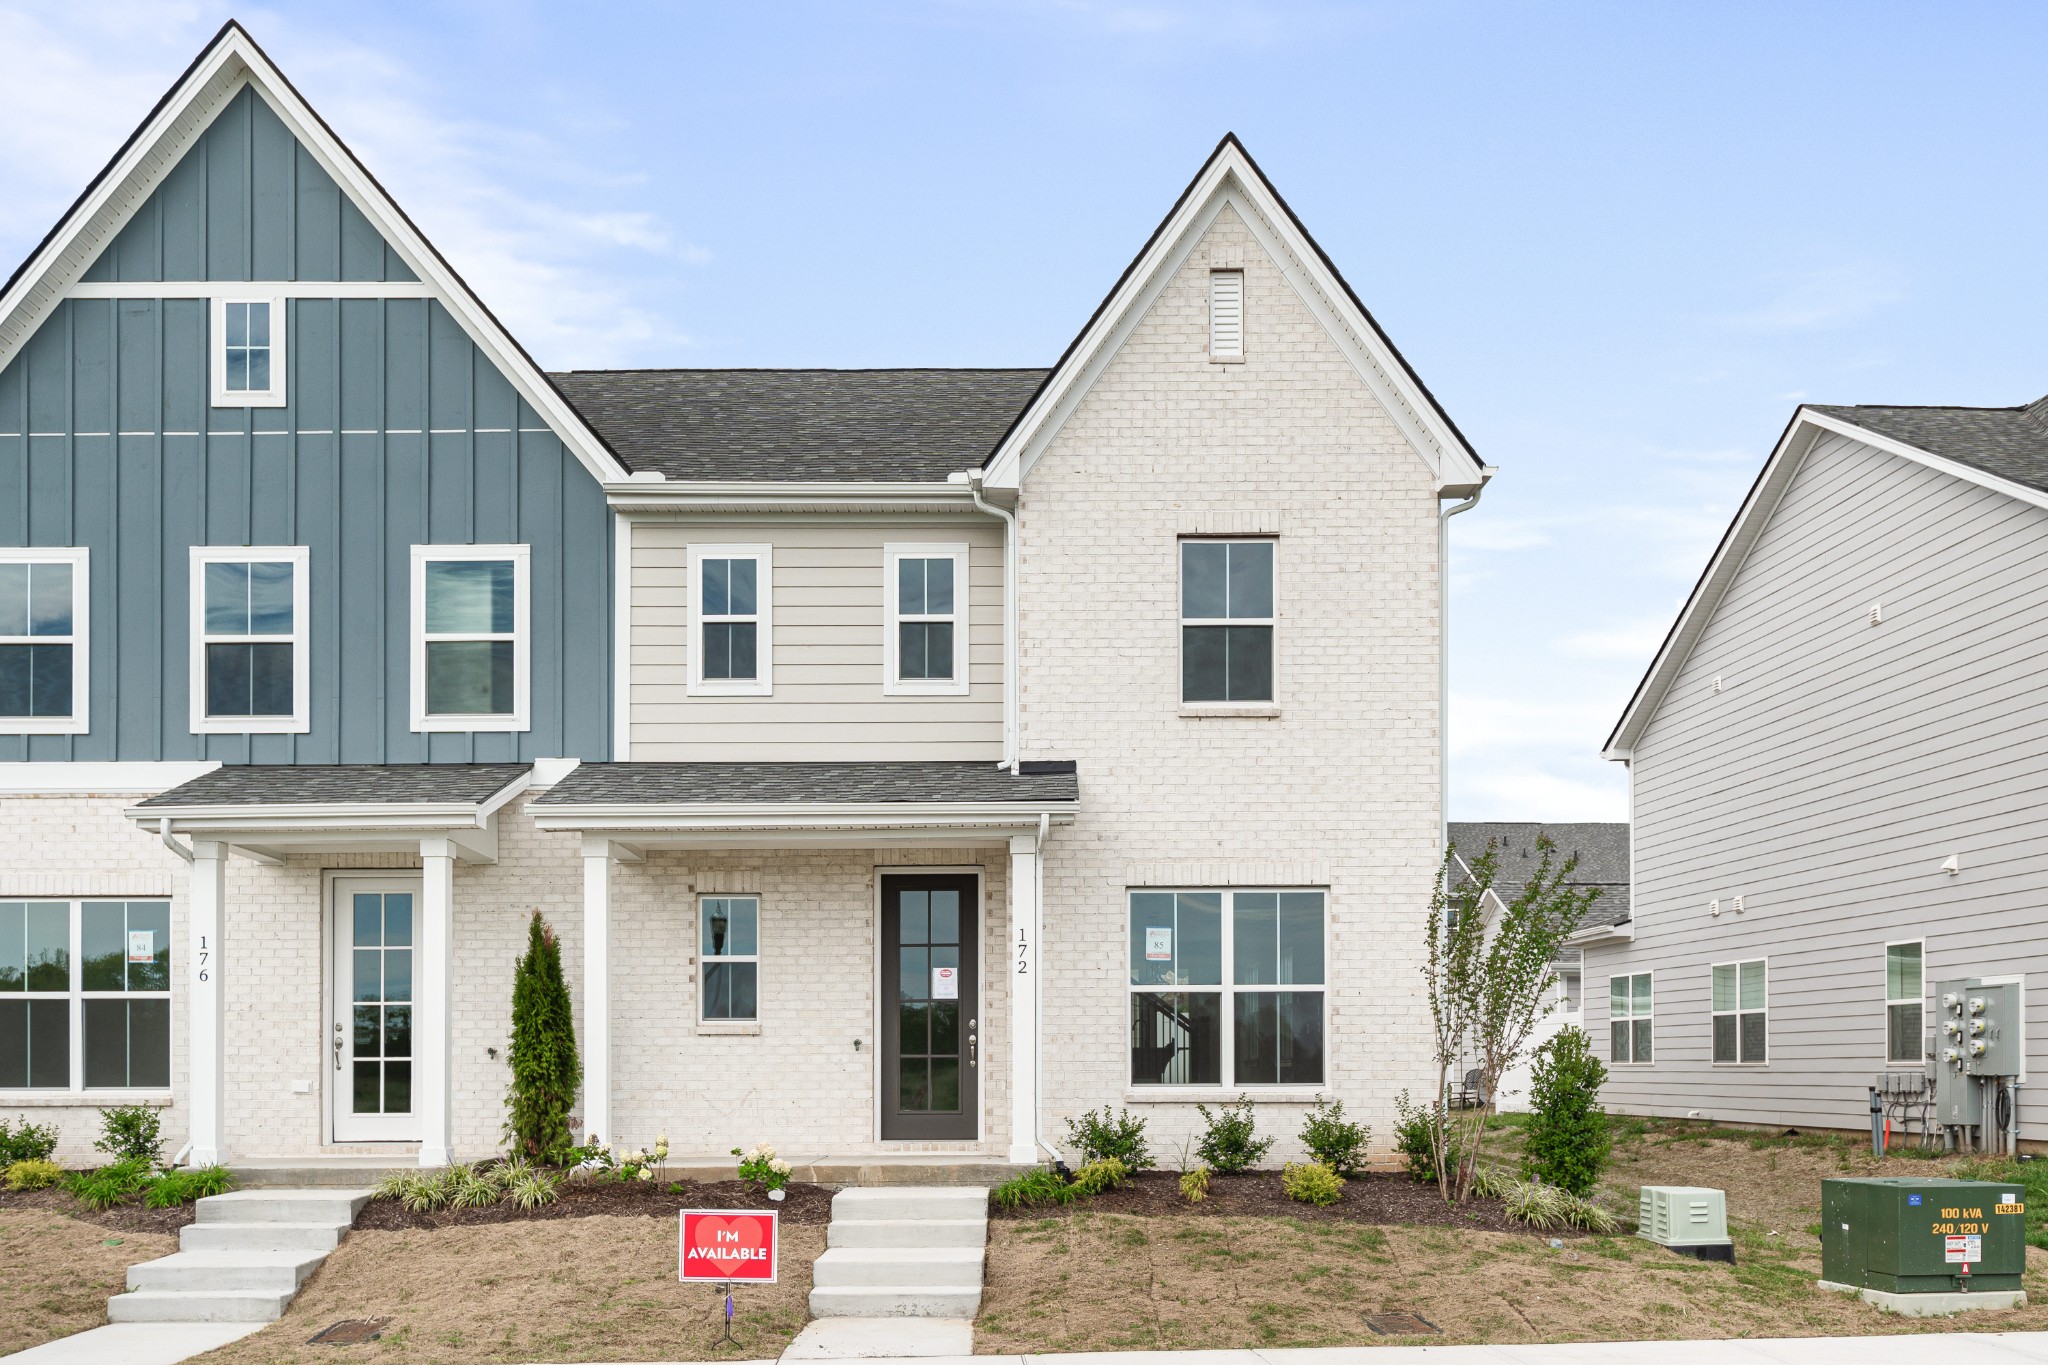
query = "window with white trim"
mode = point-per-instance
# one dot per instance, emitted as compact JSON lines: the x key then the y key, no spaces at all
{"x":44,"y":600}
{"x":1904,"y":1003}
{"x":248,"y":352}
{"x":1261,"y":1022}
{"x":1226,"y":315}
{"x":731,"y":611}
{"x":1739,"y":1008}
{"x":1630,"y":1017}
{"x":924,"y":643}
{"x":249,"y":628}
{"x":1226,"y":621}
{"x":471,"y":637}
{"x":731,"y":941}
{"x":85,"y":995}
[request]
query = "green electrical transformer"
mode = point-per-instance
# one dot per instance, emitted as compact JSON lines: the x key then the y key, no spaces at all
{"x":1924,"y":1247}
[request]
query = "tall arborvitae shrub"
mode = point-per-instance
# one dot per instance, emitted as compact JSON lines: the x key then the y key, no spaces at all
{"x":1568,"y":1142}
{"x":545,"y":1068}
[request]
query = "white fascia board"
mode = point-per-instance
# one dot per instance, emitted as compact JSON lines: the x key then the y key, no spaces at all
{"x":339,"y":815}
{"x":646,"y":495}
{"x":1230,"y":179}
{"x":49,"y":779}
{"x":1624,"y":932}
{"x":682,"y":816}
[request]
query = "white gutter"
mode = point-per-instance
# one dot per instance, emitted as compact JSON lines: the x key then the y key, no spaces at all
{"x":1010,"y":742}
{"x":1624,"y":932}
{"x":819,"y":815}
{"x":1443,"y":654}
{"x":648,"y":492}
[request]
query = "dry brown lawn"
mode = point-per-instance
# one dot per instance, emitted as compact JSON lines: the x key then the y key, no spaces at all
{"x":574,"y":1289}
{"x":56,"y":1273}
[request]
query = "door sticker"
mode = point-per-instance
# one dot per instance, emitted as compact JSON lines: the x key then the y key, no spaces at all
{"x":945,"y":983}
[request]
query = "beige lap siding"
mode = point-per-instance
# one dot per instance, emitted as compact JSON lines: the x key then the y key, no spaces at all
{"x":1341,"y":787}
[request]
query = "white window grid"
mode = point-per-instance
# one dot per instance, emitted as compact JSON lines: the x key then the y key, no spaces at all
{"x":1917,"y":999}
{"x":76,"y":995}
{"x":80,"y":720}
{"x":893,"y":617}
{"x":521,"y":636}
{"x":223,"y":396}
{"x":762,"y":684}
{"x":300,"y":719}
{"x":1270,"y":622}
{"x":710,"y":958}
{"x":1738,"y":1011}
{"x":1630,"y":1019}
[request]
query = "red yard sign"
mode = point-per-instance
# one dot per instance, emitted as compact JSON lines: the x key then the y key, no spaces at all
{"x":721,"y":1245}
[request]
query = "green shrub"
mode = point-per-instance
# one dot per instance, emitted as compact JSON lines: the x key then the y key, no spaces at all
{"x":131,"y":1132}
{"x":33,"y":1173}
{"x":1097,"y":1135}
{"x":29,"y":1142}
{"x":1568,"y":1143}
{"x":1335,"y":1143}
{"x":1230,"y":1139}
{"x":1033,"y":1188}
{"x":1194,"y":1184}
{"x":1094,"y":1177}
{"x":1415,"y":1127}
{"x":528,"y":1187}
{"x":545,"y":1068}
{"x":172,"y":1188}
{"x":109,"y":1185}
{"x":1311,"y":1182}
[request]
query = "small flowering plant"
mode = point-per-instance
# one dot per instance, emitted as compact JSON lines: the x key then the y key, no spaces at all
{"x":603,"y":1163}
{"x":762,"y":1168}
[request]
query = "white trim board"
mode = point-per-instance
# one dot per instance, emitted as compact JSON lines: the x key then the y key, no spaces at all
{"x":277,"y":289}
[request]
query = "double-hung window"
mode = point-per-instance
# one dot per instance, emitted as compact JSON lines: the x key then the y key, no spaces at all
{"x":1904,"y":990}
{"x":249,"y":618}
{"x":731,"y":641}
{"x":924,"y":644}
{"x":1740,"y":1012}
{"x":471,"y":642}
{"x":1629,"y":1017}
{"x":1261,"y":1021}
{"x":43,"y":610}
{"x":1226,"y":621}
{"x":731,"y":929}
{"x":248,"y":352}
{"x":85,"y":995}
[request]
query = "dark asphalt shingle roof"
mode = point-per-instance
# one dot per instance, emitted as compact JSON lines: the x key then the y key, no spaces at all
{"x":1602,"y":850}
{"x":2011,"y":443}
{"x":707,"y":783}
{"x":369,"y":783}
{"x":801,"y":426}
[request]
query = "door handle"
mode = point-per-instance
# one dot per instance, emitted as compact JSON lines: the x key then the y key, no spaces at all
{"x":337,"y":1047}
{"x":970,"y":1050}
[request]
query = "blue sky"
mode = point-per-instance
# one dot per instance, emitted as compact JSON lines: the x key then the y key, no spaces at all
{"x":1620,"y":241}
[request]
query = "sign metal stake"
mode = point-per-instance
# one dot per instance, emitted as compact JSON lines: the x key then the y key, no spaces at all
{"x":728,"y":1313}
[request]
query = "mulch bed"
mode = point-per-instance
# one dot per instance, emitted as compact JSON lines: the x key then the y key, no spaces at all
{"x":1375,"y":1197}
{"x":122,"y":1217}
{"x":808,"y":1204}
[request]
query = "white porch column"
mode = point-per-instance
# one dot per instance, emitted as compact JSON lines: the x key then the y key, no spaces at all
{"x":1022,"y":968}
{"x":433,"y":1006}
{"x":205,"y":901}
{"x":597,"y":988}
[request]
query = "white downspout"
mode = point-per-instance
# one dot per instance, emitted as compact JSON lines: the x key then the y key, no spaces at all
{"x":1010,"y":744}
{"x":1443,"y":656}
{"x":164,"y":827}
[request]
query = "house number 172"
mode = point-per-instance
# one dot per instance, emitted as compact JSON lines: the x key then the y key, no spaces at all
{"x":1023,"y":955}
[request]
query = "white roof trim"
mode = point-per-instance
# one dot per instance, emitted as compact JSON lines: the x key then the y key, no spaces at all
{"x":798,"y":815}
{"x":1231,"y":178}
{"x":232,"y":60}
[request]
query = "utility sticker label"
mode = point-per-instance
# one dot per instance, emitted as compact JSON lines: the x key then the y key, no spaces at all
{"x":1159,"y":945}
{"x":1912,"y":1201}
{"x":1965,"y":1249}
{"x":142,"y":945}
{"x":2010,"y":1207}
{"x":945,"y":983}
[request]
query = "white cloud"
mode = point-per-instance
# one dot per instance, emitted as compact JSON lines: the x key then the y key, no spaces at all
{"x":1632,"y":641}
{"x":1499,"y":533}
{"x":1832,"y":296}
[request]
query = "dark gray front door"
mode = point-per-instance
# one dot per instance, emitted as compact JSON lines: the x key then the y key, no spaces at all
{"x":931,"y":1025}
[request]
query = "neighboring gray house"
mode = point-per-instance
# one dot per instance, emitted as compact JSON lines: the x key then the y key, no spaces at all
{"x":1836,"y":768}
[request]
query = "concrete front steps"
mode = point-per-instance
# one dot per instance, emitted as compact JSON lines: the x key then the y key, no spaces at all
{"x":244,"y":1258}
{"x":902,"y":1252}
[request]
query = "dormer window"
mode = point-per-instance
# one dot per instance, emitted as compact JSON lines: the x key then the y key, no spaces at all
{"x":248,"y":353}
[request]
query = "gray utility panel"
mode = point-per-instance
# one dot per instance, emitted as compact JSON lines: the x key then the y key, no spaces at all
{"x":1978,"y":1037}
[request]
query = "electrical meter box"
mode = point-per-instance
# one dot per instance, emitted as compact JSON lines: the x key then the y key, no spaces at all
{"x":1895,"y":1238}
{"x":1691,"y":1221}
{"x":1977,"y":1035}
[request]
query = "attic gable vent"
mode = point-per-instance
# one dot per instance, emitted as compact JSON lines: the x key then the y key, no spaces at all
{"x":1226,"y":315}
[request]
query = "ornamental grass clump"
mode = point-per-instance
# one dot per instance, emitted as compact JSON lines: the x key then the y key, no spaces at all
{"x":1311,"y":1182}
{"x":116,"y":1183}
{"x":1095,"y":1177}
{"x":545,"y":1068}
{"x":174,"y":1188}
{"x":1194,"y":1183}
{"x":1032,"y":1189}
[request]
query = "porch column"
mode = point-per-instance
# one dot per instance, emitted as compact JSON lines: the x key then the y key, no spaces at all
{"x":432,"y":1005}
{"x":1022,"y":970}
{"x":597,"y":989}
{"x":206,"y":895}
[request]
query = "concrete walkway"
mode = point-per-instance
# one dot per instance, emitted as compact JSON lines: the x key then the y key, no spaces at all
{"x":135,"y":1343}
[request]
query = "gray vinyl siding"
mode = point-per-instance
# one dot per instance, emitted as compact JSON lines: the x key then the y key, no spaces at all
{"x":1827,"y":781}
{"x":828,"y":703}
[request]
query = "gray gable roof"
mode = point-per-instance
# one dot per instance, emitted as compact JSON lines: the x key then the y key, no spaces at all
{"x":242,"y":784}
{"x":801,"y":426}
{"x":1601,"y":848}
{"x":658,"y":784}
{"x":2011,"y":443}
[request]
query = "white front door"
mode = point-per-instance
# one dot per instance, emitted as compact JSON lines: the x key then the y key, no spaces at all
{"x":370,"y":1034}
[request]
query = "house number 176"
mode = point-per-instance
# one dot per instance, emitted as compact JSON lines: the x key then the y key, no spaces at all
{"x":205,"y":958}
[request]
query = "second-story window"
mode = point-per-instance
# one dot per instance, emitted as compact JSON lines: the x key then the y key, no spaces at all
{"x":924,"y":642}
{"x":249,"y":666}
{"x":248,"y":353}
{"x":470,"y":643}
{"x":731,"y":597}
{"x":1226,"y":621}
{"x":43,"y":601}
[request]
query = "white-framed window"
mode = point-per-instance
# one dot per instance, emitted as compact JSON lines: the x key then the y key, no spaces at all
{"x":85,"y":995}
{"x":1741,"y":1018}
{"x":1226,"y":621}
{"x":249,"y":640}
{"x":924,"y":641}
{"x":730,"y":940}
{"x":248,"y":352}
{"x":44,"y":629}
{"x":732,"y":637}
{"x":472,"y":638}
{"x":1227,"y":987}
{"x":1226,"y":315}
{"x":1630,"y":1017}
{"x":1904,"y":1002}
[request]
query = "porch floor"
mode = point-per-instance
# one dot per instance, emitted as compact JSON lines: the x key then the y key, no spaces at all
{"x":892,"y":1168}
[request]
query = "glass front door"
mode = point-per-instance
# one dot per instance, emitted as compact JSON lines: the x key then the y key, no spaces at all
{"x":931,"y":1024}
{"x":370,"y":1042}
